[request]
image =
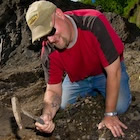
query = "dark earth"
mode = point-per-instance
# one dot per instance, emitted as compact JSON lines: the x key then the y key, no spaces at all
{"x":21,"y":75}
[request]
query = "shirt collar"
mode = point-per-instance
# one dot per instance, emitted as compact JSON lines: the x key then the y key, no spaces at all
{"x":75,"y":32}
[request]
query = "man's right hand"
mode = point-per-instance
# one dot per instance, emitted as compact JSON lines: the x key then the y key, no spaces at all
{"x":47,"y":127}
{"x":52,"y":101}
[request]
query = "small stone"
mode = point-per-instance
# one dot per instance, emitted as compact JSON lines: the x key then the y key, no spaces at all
{"x":58,"y":137}
{"x":86,"y":101}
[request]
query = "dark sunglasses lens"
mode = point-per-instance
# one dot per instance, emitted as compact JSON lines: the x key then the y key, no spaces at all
{"x":43,"y":38}
{"x":52,"y":32}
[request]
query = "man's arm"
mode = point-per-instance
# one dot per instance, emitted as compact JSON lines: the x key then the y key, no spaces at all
{"x":52,"y":101}
{"x":112,"y":90}
{"x":113,"y":85}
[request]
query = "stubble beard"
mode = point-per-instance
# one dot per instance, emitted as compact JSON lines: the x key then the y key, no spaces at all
{"x":64,"y":45}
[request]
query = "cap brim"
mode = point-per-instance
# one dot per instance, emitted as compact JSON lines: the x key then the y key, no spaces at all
{"x":40,"y":31}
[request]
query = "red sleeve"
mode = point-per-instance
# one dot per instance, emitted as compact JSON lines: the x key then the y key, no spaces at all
{"x":111,"y":45}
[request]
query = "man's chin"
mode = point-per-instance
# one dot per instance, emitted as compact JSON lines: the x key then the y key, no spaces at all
{"x":60,"y":48}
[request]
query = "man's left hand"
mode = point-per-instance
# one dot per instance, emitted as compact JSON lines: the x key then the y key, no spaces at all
{"x":114,"y":124}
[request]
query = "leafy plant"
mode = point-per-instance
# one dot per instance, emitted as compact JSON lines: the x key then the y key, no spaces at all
{"x":129,"y":9}
{"x":86,"y":1}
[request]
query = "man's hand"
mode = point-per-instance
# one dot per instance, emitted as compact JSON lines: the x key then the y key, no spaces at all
{"x":48,"y":127}
{"x":114,"y":124}
{"x":52,"y":101}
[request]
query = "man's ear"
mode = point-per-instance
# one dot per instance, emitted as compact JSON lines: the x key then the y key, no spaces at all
{"x":59,"y":13}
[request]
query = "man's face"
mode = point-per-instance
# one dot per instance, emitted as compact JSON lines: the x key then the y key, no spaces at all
{"x":60,"y":36}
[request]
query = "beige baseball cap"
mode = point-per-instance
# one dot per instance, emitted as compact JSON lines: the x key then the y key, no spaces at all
{"x":39,"y":18}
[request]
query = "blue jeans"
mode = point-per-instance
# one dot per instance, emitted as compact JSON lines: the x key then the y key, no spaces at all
{"x":93,"y":85}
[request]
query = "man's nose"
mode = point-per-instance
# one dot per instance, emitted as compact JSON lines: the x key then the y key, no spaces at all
{"x":51,"y":39}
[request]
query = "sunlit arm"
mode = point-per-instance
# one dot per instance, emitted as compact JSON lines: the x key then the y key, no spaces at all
{"x":113,"y":85}
{"x":52,"y":99}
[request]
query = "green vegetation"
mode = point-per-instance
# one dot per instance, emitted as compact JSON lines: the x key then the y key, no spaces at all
{"x":86,"y":1}
{"x":132,"y":11}
{"x":129,"y":9}
{"x":116,"y":6}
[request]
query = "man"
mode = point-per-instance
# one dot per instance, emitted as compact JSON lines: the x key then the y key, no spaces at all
{"x":82,"y":44}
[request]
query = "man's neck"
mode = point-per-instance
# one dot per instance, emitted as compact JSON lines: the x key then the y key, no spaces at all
{"x":74,"y":34}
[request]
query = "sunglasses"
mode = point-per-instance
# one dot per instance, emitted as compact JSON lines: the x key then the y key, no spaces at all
{"x":51,"y":33}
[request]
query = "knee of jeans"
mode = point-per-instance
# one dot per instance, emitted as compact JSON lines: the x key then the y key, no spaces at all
{"x":121,"y":110}
{"x":65,"y":102}
{"x":123,"y":107}
{"x":63,"y":105}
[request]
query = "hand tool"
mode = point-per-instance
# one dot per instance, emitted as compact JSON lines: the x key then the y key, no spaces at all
{"x":35,"y":118}
{"x":17,"y":113}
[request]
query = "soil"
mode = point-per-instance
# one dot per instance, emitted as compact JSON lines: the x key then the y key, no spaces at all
{"x":21,"y":75}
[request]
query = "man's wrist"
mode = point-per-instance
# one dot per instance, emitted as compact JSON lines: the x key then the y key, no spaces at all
{"x":110,"y":113}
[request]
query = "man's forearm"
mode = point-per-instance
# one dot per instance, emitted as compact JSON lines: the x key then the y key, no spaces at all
{"x":52,"y":103}
{"x":112,"y":91}
{"x":111,"y":97}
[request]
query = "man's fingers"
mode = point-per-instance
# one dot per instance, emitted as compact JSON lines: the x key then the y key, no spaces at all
{"x":48,"y":127}
{"x":122,"y":125}
{"x":118,"y":131}
{"x":52,"y":126}
{"x":101,"y":125}
{"x":113,"y":131}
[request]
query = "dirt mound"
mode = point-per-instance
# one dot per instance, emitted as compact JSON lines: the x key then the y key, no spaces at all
{"x":76,"y":122}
